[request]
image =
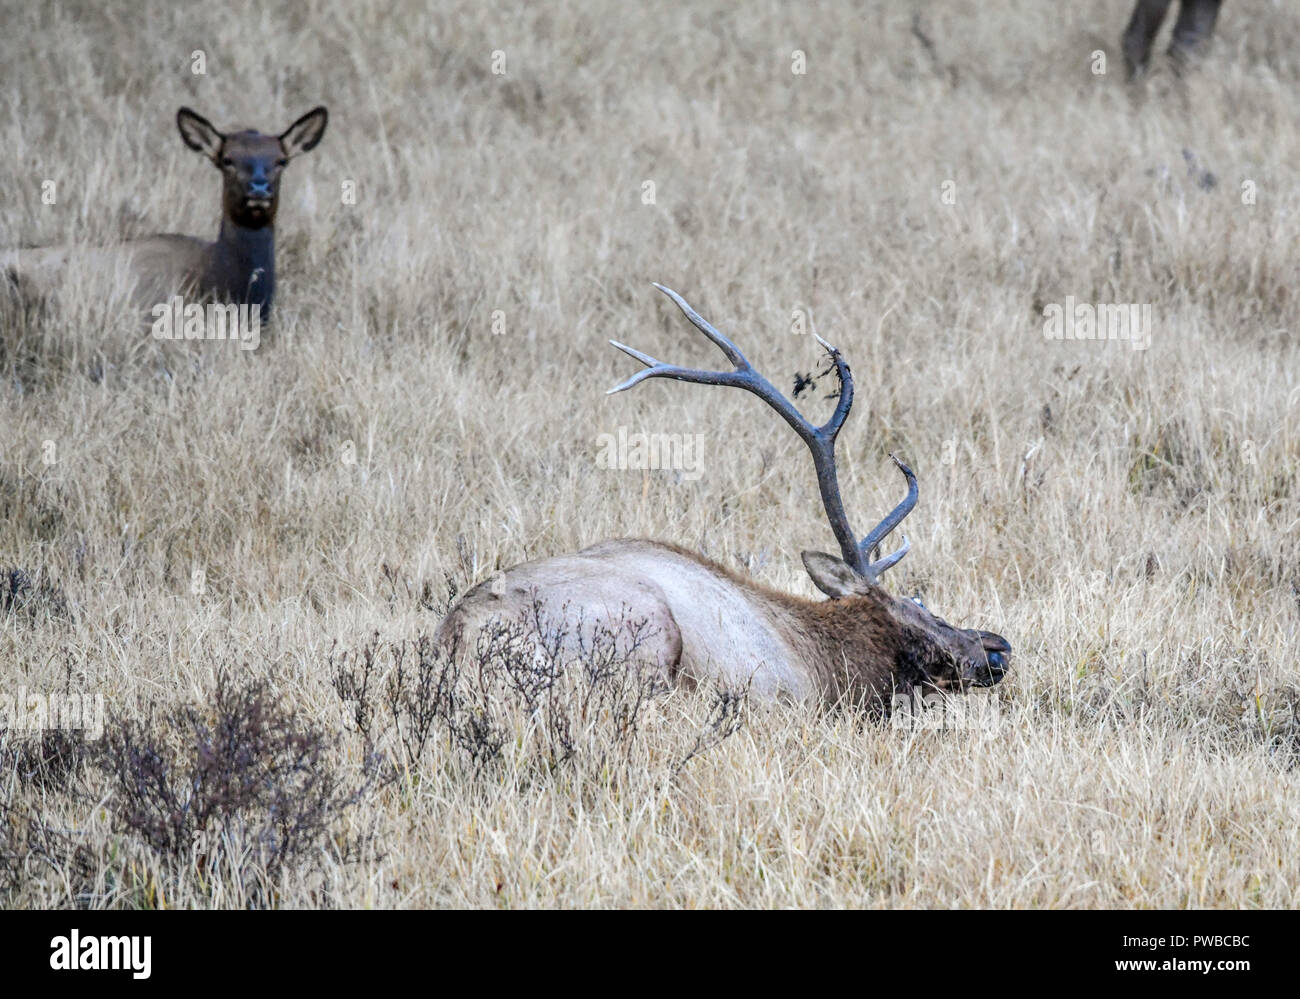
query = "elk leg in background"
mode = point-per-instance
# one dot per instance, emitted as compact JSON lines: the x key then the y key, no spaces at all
{"x":1141,"y":33}
{"x":1193,"y":28}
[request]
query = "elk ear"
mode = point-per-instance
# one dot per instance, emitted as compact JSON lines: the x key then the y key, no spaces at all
{"x":303,"y":135}
{"x":833,"y":576}
{"x":199,"y":134}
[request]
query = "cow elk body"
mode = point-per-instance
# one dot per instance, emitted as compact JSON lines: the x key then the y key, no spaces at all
{"x":711,"y":625}
{"x":238,"y":267}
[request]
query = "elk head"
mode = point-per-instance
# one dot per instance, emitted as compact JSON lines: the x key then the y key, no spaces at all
{"x":927,"y":651}
{"x":250,"y":162}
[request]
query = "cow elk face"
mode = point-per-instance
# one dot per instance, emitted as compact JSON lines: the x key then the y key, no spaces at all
{"x":250,"y":162}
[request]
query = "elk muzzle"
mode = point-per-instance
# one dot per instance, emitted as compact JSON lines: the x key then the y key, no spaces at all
{"x":997,"y":652}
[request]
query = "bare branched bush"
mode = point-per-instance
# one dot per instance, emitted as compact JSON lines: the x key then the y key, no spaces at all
{"x":419,"y":691}
{"x":726,"y":718}
{"x":559,"y":690}
{"x":49,"y":760}
{"x":575,"y":688}
{"x":39,"y":772}
{"x":240,"y":788}
{"x":33,"y":844}
{"x":421,"y":594}
{"x":353,"y":677}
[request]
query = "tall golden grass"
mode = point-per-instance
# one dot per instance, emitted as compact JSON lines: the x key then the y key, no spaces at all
{"x":1127,"y":518}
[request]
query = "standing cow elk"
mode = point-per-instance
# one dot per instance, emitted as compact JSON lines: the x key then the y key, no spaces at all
{"x":712,"y":625}
{"x":239,"y":266}
{"x":1192,"y":30}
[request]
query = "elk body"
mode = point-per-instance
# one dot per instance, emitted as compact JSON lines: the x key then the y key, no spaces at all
{"x":239,"y":266}
{"x":1192,"y":30}
{"x":708,"y":624}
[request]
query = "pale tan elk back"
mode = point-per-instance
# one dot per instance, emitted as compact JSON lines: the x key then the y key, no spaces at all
{"x":701,"y":625}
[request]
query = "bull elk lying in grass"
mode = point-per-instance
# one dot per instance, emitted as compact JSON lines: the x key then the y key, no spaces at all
{"x":239,"y":267}
{"x":711,"y":625}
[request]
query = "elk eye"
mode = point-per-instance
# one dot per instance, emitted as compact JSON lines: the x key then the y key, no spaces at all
{"x":917,"y":601}
{"x":281,"y":163}
{"x":226,"y":161}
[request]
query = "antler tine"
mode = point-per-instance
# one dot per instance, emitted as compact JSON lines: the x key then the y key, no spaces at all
{"x":819,"y":440}
{"x":882,"y":530}
{"x":877,"y":569}
{"x":744,"y":376}
{"x":704,"y":326}
{"x":658,"y":369}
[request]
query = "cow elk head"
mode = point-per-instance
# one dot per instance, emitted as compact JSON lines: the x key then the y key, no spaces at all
{"x":250,"y":162}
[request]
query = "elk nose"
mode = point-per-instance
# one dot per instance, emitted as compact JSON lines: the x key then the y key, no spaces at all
{"x":258,"y":188}
{"x":997,"y":665}
{"x":996,"y":650}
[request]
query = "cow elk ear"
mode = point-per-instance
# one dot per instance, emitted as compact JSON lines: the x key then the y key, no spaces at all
{"x":833,"y":576}
{"x":303,"y":135}
{"x":199,"y":134}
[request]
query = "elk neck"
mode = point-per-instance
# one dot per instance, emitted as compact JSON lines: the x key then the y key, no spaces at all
{"x":241,"y":265}
{"x":859,"y":647}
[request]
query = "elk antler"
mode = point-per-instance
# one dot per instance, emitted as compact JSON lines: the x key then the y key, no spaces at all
{"x":820,"y":440}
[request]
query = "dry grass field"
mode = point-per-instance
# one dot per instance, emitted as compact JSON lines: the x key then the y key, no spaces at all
{"x":426,"y":407}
